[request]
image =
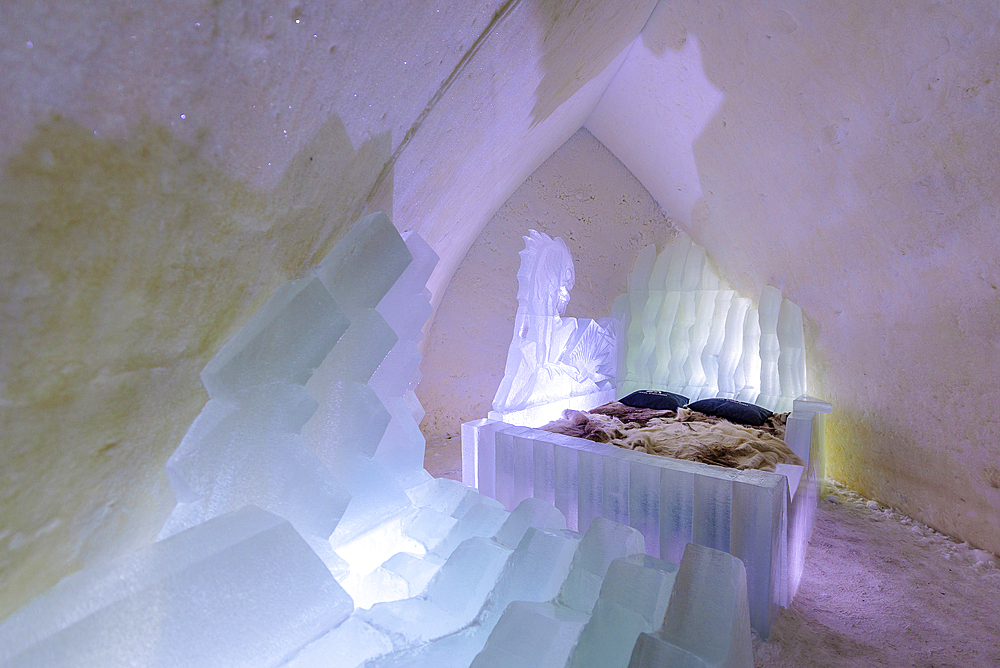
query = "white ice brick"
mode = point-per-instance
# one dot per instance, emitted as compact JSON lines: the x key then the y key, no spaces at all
{"x":376,"y":497}
{"x":251,"y":456}
{"x":429,"y":527}
{"x":712,"y":509}
{"x":713,"y":345}
{"x":529,"y":513}
{"x":364,"y":264}
{"x":732,"y":349}
{"x":479,"y":455}
{"x":282,"y":342}
{"x":357,"y":355}
{"x":406,"y":306}
{"x":452,"y":599}
{"x":532,"y":635}
{"x":758,"y":537}
{"x":644,"y":502}
{"x":398,"y":372}
{"x":350,"y":420}
{"x":481,"y":520}
{"x":770,"y":382}
{"x":452,"y":651}
{"x":604,"y":542}
{"x":347,"y":646}
{"x":676,"y":508}
{"x":749,"y":367}
{"x":708,"y":616}
{"x":417,"y":571}
{"x":242,"y":589}
{"x":535,"y":571}
{"x":633,"y":600}
{"x":401,"y":448}
{"x":448,"y":496}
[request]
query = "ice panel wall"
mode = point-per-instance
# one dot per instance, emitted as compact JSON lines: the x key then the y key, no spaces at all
{"x":688,"y":333}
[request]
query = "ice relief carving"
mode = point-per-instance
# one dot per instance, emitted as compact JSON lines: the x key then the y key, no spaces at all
{"x":552,"y":357}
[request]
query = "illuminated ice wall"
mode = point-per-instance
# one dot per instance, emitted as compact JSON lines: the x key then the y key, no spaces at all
{"x":688,"y":333}
{"x":306,"y":532}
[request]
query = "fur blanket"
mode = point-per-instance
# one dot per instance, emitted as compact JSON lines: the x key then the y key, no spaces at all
{"x":684,"y":434}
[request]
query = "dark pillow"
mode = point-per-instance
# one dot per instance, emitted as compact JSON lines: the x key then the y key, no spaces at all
{"x":656,"y":399}
{"x":732,"y":410}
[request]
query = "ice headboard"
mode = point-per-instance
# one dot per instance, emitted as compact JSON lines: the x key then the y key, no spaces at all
{"x":688,"y":332}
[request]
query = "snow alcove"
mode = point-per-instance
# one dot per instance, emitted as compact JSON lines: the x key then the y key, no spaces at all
{"x":306,"y":532}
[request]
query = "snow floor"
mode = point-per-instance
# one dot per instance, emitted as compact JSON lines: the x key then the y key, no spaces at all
{"x":879,"y":590}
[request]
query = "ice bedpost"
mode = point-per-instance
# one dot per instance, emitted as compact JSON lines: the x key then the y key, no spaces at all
{"x":792,"y":360}
{"x":708,"y":618}
{"x":804,"y":434}
{"x":242,"y":589}
{"x":552,"y":362}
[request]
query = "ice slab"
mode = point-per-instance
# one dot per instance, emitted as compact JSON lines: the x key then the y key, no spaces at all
{"x":248,"y":454}
{"x":633,"y":600}
{"x":452,"y":599}
{"x":417,"y":571}
{"x":708,"y":617}
{"x":282,"y":342}
{"x":603,"y":542}
{"x":350,"y":420}
{"x":406,"y":306}
{"x":529,"y":513}
{"x":532,"y":634}
{"x":364,"y":264}
{"x":347,"y":646}
{"x":241,"y":589}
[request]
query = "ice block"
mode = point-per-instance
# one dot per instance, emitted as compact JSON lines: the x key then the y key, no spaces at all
{"x":241,"y":589}
{"x":707,"y":620}
{"x":364,"y":264}
{"x":282,"y":342}
{"x":633,"y":600}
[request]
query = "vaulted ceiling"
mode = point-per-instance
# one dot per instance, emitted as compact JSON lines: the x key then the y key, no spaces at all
{"x":168,"y":165}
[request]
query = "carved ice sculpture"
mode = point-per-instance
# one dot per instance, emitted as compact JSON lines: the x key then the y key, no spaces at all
{"x":553,"y":362}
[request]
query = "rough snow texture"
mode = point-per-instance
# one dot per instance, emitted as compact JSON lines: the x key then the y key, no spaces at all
{"x":880,"y":589}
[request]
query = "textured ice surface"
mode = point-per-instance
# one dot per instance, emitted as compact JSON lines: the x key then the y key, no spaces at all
{"x":241,"y":589}
{"x":532,"y":634}
{"x":364,"y":264}
{"x":347,"y":646}
{"x":633,"y":600}
{"x":604,"y":542}
{"x":551,"y":358}
{"x":249,"y":453}
{"x":708,"y":618}
{"x":283,"y":342}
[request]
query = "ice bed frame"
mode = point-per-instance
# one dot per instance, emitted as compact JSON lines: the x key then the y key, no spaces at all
{"x":763,"y":518}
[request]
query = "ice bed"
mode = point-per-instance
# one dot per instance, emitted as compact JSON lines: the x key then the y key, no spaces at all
{"x":685,"y":332}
